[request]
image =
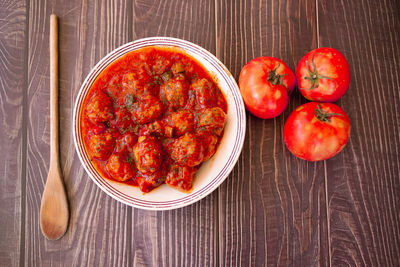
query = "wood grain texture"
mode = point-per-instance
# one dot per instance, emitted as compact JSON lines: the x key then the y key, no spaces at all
{"x":272,"y":207}
{"x":100,"y":227}
{"x":187,"y":236}
{"x":364,"y":180}
{"x":12,"y":76}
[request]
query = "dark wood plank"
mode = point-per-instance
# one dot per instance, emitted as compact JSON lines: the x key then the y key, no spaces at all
{"x":100,"y":227}
{"x":187,"y":236}
{"x":12,"y":83}
{"x":363,"y":181}
{"x":272,"y":207}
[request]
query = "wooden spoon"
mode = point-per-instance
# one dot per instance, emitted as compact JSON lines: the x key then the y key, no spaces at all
{"x":54,"y":213}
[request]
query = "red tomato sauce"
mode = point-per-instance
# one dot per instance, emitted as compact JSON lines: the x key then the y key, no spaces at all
{"x":151,"y":117}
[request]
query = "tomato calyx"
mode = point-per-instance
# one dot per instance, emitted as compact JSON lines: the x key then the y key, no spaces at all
{"x":314,"y":76}
{"x":324,"y":116}
{"x":276,"y":79}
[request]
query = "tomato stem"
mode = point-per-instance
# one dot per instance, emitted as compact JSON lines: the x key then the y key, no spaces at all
{"x":275,"y":78}
{"x":314,"y":76}
{"x":324,"y":116}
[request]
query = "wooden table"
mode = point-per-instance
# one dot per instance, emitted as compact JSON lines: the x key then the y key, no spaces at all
{"x":273,"y":209}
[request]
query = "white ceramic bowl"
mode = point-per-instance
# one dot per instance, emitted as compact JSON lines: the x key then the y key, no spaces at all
{"x":212,"y":173}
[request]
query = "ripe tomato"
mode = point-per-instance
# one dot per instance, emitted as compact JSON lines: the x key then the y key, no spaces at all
{"x":323,"y":75}
{"x":265,"y":84}
{"x":316,"y":131}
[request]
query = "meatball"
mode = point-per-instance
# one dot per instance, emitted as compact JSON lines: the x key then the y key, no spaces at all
{"x":152,"y":128}
{"x":205,"y":93}
{"x":212,"y":120}
{"x":148,"y":154}
{"x":161,"y":65}
{"x":148,"y":182}
{"x":120,"y":166}
{"x":178,"y":67}
{"x":182,"y":66}
{"x":99,"y":108}
{"x":113,"y":89}
{"x":135,"y":83}
{"x":126,"y":142}
{"x":181,"y":177}
{"x":187,"y":150}
{"x":167,"y":144}
{"x":209,"y":143}
{"x":101,"y":145}
{"x":176,"y":92}
{"x":99,"y":128}
{"x":146,"y":109}
{"x":181,"y":121}
{"x":123,"y":119}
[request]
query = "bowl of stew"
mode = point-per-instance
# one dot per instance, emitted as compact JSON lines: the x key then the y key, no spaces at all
{"x":159,"y":123}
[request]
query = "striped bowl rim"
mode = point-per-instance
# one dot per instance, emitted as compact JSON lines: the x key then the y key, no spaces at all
{"x":224,"y":170}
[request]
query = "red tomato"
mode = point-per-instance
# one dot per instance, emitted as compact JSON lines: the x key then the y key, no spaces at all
{"x":316,"y":131}
{"x":265,"y":84}
{"x":323,"y":75}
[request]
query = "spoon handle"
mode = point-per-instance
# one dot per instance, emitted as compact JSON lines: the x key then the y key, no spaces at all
{"x":53,"y":89}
